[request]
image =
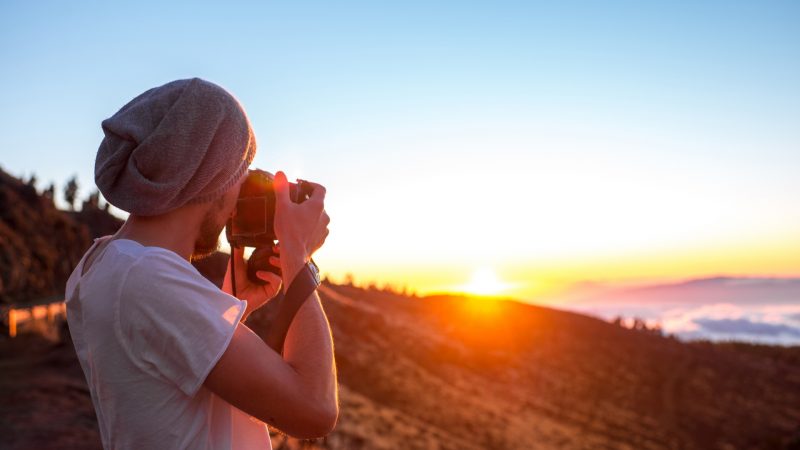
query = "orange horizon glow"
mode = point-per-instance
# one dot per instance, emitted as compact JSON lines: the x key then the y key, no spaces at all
{"x":484,"y":282}
{"x":553,"y":281}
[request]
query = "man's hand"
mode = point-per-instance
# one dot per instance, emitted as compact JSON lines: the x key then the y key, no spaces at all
{"x":256,"y":295}
{"x":296,"y":392}
{"x":301,"y":228}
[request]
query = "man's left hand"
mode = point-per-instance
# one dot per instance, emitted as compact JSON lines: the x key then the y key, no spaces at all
{"x":256,"y":295}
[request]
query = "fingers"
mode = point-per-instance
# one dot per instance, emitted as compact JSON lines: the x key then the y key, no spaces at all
{"x":281,"y":185}
{"x":322,"y":239}
{"x":326,"y":219}
{"x":318,"y":193}
{"x":305,"y":223}
{"x":272,"y":283}
{"x":283,"y":194}
{"x":268,"y":276}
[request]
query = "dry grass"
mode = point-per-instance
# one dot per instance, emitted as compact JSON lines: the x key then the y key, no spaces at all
{"x":432,"y":374}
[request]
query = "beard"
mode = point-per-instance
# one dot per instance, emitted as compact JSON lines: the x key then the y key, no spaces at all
{"x":207,"y":242}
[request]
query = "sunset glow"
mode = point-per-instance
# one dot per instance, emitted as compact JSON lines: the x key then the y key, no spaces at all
{"x":553,"y":169}
{"x":484,"y":282}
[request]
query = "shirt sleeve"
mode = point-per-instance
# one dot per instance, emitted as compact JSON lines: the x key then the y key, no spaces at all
{"x":173,"y":323}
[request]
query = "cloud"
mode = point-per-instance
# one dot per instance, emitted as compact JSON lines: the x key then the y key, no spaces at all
{"x":745,"y":326}
{"x":763,"y":323}
{"x":686,"y":319}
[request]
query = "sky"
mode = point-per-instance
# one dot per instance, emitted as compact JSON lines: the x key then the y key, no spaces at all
{"x":521,"y":148}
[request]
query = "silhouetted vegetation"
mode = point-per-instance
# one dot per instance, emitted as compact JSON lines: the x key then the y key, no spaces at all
{"x":50,"y":192}
{"x":71,"y":192}
{"x":41,"y":244}
{"x":638,"y":324}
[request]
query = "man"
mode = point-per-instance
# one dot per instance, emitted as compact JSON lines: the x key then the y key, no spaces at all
{"x":168,"y":360}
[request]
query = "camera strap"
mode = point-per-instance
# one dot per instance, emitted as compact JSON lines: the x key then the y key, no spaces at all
{"x":304,"y":284}
{"x":301,"y":288}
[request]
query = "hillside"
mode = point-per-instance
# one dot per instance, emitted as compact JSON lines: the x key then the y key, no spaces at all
{"x":447,"y":373}
{"x":520,"y":376}
{"x":40,"y":244}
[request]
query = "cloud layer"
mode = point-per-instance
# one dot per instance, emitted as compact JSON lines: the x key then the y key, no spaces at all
{"x":770,"y":324}
{"x":742,"y":317}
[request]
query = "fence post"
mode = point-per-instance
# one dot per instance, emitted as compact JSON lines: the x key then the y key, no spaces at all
{"x":12,"y":322}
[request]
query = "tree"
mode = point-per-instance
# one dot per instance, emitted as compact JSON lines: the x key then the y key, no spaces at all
{"x":50,"y":191}
{"x":71,"y":191}
{"x":93,"y":202}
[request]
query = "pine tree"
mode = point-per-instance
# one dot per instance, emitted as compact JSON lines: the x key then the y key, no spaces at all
{"x":71,"y":191}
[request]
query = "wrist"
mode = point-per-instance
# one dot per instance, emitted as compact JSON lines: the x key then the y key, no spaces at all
{"x":293,"y":248}
{"x":293,"y":258}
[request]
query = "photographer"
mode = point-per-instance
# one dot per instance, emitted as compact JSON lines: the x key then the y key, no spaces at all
{"x":168,"y":360}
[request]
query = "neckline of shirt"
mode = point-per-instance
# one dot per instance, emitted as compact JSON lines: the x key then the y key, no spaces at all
{"x":150,"y":247}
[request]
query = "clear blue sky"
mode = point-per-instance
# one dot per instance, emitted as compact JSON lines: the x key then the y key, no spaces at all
{"x":680,"y":120}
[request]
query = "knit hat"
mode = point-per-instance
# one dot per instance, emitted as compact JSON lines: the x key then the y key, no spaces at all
{"x":187,"y":141}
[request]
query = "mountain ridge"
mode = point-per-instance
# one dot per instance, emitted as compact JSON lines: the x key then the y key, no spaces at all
{"x":726,"y":289}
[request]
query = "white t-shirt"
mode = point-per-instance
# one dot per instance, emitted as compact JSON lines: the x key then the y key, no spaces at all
{"x":148,"y":328}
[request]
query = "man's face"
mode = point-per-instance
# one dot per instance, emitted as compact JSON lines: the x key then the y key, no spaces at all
{"x":213,"y":222}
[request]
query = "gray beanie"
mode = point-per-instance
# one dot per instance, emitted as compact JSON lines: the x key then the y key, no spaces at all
{"x":187,"y":141}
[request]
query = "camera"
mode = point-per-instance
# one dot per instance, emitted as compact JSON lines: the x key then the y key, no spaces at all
{"x":253,"y":221}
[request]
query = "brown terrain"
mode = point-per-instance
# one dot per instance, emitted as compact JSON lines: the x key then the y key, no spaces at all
{"x":451,"y":372}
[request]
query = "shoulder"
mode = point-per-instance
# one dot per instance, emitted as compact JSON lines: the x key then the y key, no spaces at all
{"x":158,"y":281}
{"x":157,"y":267}
{"x":156,"y":273}
{"x":160,"y":286}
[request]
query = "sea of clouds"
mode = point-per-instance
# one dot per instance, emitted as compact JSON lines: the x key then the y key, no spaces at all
{"x":760,"y":310}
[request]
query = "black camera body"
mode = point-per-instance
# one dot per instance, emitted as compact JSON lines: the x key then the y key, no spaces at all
{"x":253,"y":220}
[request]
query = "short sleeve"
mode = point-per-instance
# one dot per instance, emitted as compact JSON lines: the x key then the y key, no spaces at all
{"x":173,"y":322}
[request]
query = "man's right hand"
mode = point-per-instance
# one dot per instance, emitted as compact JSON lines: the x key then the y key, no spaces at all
{"x":296,"y":392}
{"x":301,"y":228}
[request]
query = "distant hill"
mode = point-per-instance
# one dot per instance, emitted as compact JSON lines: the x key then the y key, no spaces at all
{"x":443,"y":372}
{"x":40,"y":244}
{"x":734,"y":290}
{"x":752,"y":309}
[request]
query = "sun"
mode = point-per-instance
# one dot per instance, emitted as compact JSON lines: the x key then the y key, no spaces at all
{"x":484,"y":282}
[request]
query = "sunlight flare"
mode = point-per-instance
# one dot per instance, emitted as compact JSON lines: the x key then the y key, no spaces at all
{"x":485,"y":282}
